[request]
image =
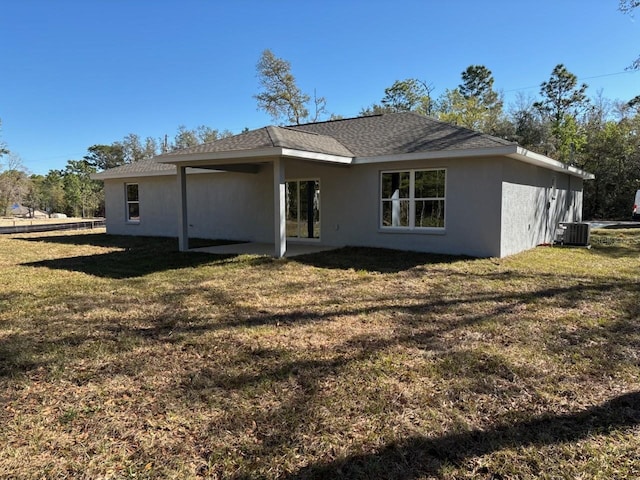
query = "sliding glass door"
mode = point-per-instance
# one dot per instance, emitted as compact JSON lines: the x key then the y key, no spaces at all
{"x":303,"y":208}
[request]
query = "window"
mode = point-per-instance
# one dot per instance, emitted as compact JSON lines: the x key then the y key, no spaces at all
{"x":303,"y":208}
{"x":413,"y":199}
{"x":133,"y":202}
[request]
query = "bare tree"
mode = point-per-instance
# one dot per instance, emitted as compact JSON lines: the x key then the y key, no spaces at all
{"x":627,"y":6}
{"x":3,"y":146}
{"x":280,"y":96}
{"x":14,"y":182}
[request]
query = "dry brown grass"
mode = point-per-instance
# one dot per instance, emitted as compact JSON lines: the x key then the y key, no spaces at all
{"x":121,"y":358}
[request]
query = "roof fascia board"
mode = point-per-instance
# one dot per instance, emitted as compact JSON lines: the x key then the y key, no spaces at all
{"x":108,"y":176}
{"x":241,"y":156}
{"x":318,"y":157}
{"x":233,"y":158}
{"x":537,"y":159}
{"x":165,"y":173}
{"x":512,"y":151}
{"x":439,"y":154}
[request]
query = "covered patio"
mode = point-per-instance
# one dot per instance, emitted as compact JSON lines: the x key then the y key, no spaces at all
{"x":249,"y":153}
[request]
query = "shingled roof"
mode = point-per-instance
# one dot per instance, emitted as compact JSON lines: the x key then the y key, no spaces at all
{"x":267,"y":137}
{"x":399,"y":133}
{"x":149,"y":166}
{"x":375,"y":135}
{"x":351,"y":140}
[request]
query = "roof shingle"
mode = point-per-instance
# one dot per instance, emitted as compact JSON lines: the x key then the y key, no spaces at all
{"x":399,"y":133}
{"x":148,"y":166}
{"x":376,"y":135}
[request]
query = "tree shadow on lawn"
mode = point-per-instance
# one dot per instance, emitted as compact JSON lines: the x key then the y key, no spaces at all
{"x":407,"y":459}
{"x":485,"y":373}
{"x":418,"y":456}
{"x":137,"y":257}
{"x":129,"y":263}
{"x":616,"y":249}
{"x":174,"y":324}
{"x":134,"y":242}
{"x":382,"y":260}
{"x":279,"y":429}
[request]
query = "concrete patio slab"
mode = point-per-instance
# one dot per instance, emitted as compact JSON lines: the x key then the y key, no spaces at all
{"x":250,"y":248}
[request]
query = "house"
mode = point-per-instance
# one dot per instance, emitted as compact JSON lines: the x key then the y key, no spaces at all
{"x":401,"y":181}
{"x":18,"y":210}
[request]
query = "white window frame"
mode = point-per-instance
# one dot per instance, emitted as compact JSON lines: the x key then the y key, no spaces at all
{"x":128,"y":202}
{"x":412,"y":202}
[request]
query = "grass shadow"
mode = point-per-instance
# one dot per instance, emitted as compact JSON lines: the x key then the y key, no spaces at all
{"x":419,"y":456}
{"x":369,"y":259}
{"x":621,"y":226}
{"x":615,"y":252}
{"x":137,"y":256}
{"x":125,"y":241}
{"x":129,"y":263}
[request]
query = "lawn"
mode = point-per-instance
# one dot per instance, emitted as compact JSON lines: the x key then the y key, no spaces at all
{"x":122,"y":358}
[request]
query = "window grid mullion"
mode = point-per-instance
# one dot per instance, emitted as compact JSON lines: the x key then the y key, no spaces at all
{"x":411,"y":199}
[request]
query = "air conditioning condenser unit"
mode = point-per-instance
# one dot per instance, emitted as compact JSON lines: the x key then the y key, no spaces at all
{"x":574,"y":233}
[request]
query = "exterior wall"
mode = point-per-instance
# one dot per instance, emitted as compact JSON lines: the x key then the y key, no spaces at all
{"x":237,"y":206}
{"x":158,"y":209}
{"x":350,"y":206}
{"x":532,"y":207}
{"x":493,"y":206}
{"x":232,"y":206}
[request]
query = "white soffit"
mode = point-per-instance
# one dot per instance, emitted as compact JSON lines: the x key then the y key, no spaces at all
{"x":244,"y":156}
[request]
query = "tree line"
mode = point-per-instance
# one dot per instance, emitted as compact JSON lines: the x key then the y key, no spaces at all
{"x":596,"y":134}
{"x":592,"y":133}
{"x":71,"y":190}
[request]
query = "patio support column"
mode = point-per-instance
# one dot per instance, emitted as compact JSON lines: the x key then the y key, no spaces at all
{"x":279,"y":214}
{"x":183,"y":222}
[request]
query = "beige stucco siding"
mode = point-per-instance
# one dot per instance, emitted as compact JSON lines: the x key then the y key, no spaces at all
{"x":493,"y":206}
{"x":157,"y":196}
{"x":532,"y":207}
{"x":221,"y":205}
{"x":233,"y":206}
{"x":350,"y":213}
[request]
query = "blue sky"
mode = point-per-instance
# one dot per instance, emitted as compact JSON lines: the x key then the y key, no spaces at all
{"x":75,"y":73}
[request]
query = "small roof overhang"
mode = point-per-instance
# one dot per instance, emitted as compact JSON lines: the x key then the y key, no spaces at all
{"x":249,"y":156}
{"x":539,"y":160}
{"x":167,"y":172}
{"x":512,"y":151}
{"x":250,"y":160}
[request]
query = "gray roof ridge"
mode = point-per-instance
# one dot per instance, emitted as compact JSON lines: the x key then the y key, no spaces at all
{"x":320,"y":135}
{"x":299,"y":130}
{"x":410,"y":113}
{"x":336,"y":120}
{"x":279,"y":141}
{"x":460,"y":127}
{"x":273,"y":135}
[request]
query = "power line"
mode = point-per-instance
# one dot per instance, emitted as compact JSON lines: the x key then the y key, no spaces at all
{"x":579,"y":78}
